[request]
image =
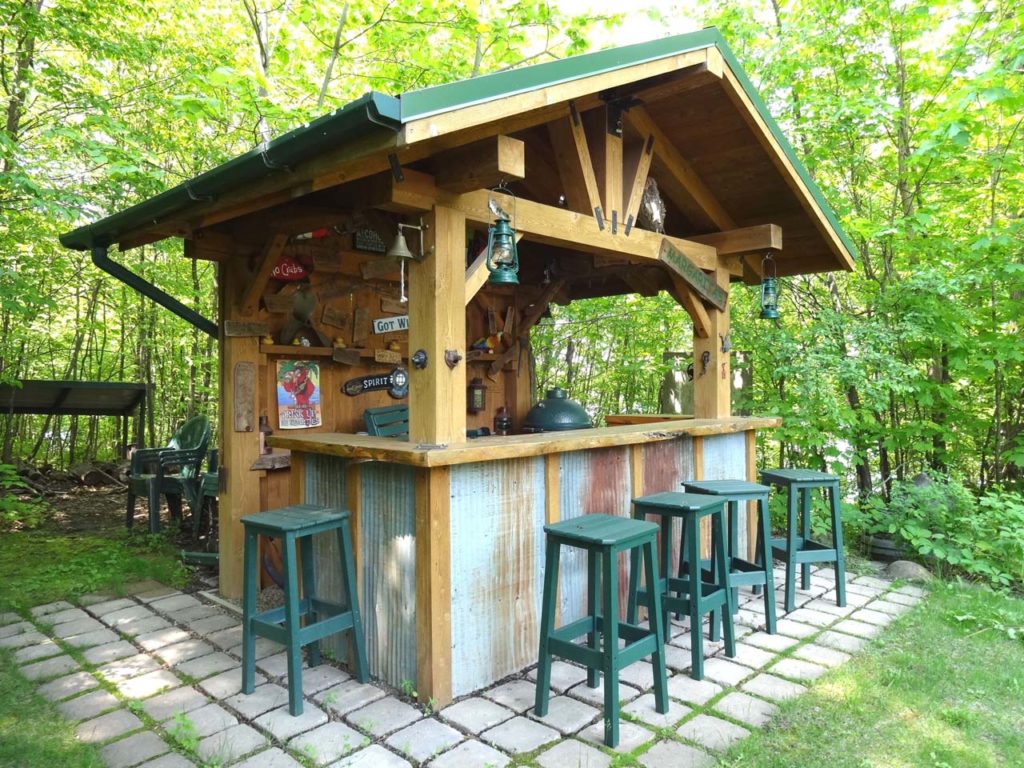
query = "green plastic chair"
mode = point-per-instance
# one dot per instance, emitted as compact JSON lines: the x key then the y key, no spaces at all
{"x":389,"y":421}
{"x":173,"y":471}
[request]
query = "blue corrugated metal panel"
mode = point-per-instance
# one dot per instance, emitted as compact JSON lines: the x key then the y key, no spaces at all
{"x":725,"y":458}
{"x":497,"y":561}
{"x":589,"y":482}
{"x":386,"y":556}
{"x":389,"y":570}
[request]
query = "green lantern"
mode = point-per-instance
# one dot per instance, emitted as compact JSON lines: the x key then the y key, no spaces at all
{"x":769,"y":290}
{"x":502,"y":253}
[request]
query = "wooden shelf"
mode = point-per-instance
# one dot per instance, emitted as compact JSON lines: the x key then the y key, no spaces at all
{"x":296,"y":350}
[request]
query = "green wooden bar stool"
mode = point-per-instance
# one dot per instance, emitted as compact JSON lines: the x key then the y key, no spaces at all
{"x":696,"y":591}
{"x":298,"y":523}
{"x":799,"y":547}
{"x":742,"y":572}
{"x":604,"y":537}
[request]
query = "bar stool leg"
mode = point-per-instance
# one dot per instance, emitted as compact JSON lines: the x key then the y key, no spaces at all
{"x":791,"y":549}
{"x":632,"y":604}
{"x":291,"y":620}
{"x":655,"y":610}
{"x":250,"y":579}
{"x":696,"y":628}
{"x":764,"y":559}
{"x":732,"y":512}
{"x":547,"y":622}
{"x":714,"y":628}
{"x":805,"y":519}
{"x":661,"y":584}
{"x":593,"y":611}
{"x":760,"y":554}
{"x":837,"y":542}
{"x":718,"y":532}
{"x":610,"y":624}
{"x":352,"y":600}
{"x":309,"y":593}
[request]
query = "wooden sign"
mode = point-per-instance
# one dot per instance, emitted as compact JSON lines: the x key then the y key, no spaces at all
{"x":278,"y":303}
{"x":335,"y":317}
{"x":391,"y":324}
{"x":387,"y":356}
{"x":392,"y":306}
{"x":236,"y":328}
{"x":702,"y":283}
{"x":244,"y":396}
{"x":379,"y":268}
{"x":345,"y":356}
{"x":361,"y":327}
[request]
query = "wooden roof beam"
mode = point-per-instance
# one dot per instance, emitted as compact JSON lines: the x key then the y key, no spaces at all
{"x":480,"y":164}
{"x":762,"y":237}
{"x":694,"y":192}
{"x":543,"y":223}
{"x":268,"y":260}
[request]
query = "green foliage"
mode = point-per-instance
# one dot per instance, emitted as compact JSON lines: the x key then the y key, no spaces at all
{"x":15,"y":511}
{"x":943,"y":522}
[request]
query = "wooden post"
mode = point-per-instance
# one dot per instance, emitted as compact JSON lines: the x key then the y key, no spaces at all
{"x":433,"y":585}
{"x":713,"y":383}
{"x":437,"y":414}
{"x":240,"y":493}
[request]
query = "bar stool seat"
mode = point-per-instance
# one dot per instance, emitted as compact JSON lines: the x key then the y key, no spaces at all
{"x":603,"y":537}
{"x":298,"y":523}
{"x":698,"y":591}
{"x":799,"y":547}
{"x":742,"y":572}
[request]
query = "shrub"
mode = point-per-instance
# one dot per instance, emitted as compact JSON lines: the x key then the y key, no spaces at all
{"x":15,"y":511}
{"x":942,"y":522}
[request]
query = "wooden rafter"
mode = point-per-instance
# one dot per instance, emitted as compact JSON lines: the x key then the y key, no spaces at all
{"x":268,"y":260}
{"x":542,"y":223}
{"x":586,"y":162}
{"x":642,"y":168}
{"x":477,"y":274}
{"x":693,"y":305}
{"x":763,"y":237}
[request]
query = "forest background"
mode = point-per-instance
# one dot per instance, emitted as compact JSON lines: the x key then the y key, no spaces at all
{"x":907,"y":114}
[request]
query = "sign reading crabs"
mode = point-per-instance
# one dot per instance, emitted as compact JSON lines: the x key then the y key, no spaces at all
{"x":288,"y":270}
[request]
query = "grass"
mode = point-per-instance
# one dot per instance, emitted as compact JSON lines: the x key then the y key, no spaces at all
{"x":32,"y":732}
{"x":41,"y":566}
{"x":943,"y":689}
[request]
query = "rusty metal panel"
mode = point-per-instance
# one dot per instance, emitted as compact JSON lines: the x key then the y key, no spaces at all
{"x":595,"y":481}
{"x":666,"y":465}
{"x":725,"y":458}
{"x":497,"y":564}
{"x":386,"y":560}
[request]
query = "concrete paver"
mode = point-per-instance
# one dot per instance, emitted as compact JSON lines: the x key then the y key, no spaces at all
{"x":227,"y":683}
{"x":67,"y":686}
{"x":798,"y":669}
{"x":473,"y":754}
{"x":104,"y":654}
{"x":712,"y":732}
{"x":151,"y":641}
{"x":595,"y":696}
{"x":282,"y":725}
{"x":134,"y":750}
{"x":427,"y":738}
{"x":563,"y":675}
{"x":374,"y":756}
{"x":772,"y":687}
{"x":841,"y":642}
{"x":209,"y":665}
{"x":327,"y":743}
{"x":37,"y":652}
{"x":22,"y":639}
{"x":100,"y":636}
{"x":672,"y":754}
{"x":566,"y":714}
{"x":88,"y":706}
{"x":177,"y":653}
{"x":573,"y":753}
{"x":150,"y":684}
{"x":204,"y":721}
{"x":107,"y":727}
{"x":167,"y":705}
{"x":263,"y":699}
{"x":230,"y":744}
{"x":170,"y":760}
{"x":645,"y":708}
{"x":747,"y":709}
{"x":631,"y":735}
{"x":725,"y":671}
{"x":685,"y":688}
{"x":131,"y":666}
{"x":342,"y":699}
{"x":384,"y":716}
{"x":476,"y":714}
{"x":270,"y":758}
{"x":44,"y":670}
{"x":517,"y":695}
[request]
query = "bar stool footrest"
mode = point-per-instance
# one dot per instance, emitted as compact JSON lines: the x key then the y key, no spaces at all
{"x":807,"y":551}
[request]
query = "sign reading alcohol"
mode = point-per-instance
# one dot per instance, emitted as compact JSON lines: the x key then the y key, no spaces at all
{"x":702,"y":283}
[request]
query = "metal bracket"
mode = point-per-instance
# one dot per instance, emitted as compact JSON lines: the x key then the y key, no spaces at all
{"x":616,"y":106}
{"x":452,"y":357}
{"x":396,"y":167}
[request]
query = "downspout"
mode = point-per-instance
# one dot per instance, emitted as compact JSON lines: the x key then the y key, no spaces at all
{"x":132,"y":280}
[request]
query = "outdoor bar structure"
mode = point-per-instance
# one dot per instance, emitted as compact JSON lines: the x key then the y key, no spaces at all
{"x":315,"y":327}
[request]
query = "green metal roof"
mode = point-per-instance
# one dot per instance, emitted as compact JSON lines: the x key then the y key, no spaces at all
{"x":378,"y":112}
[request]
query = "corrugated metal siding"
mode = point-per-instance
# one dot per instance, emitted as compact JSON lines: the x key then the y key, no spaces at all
{"x":497,"y":559}
{"x":666,"y":465}
{"x":387,"y":558}
{"x":389,"y":570}
{"x":725,"y":458}
{"x":596,"y":481}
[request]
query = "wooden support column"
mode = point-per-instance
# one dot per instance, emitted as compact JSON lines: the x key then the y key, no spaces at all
{"x":713,"y":383}
{"x":433,"y":585}
{"x":437,"y":415}
{"x":240,"y":493}
{"x":437,"y":322}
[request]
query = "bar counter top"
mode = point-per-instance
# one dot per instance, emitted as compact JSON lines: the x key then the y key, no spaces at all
{"x":495,"y":448}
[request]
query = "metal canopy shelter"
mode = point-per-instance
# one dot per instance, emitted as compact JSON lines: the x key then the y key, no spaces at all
{"x":76,"y":398}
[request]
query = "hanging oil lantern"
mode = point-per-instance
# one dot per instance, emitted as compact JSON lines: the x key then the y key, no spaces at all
{"x":476,"y":396}
{"x":502,"y":253}
{"x":769,"y":289}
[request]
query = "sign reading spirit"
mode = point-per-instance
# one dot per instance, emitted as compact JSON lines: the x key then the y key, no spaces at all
{"x":702,"y":283}
{"x":391,"y":324}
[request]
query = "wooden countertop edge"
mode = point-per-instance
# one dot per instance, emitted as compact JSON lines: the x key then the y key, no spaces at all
{"x":515,"y":446}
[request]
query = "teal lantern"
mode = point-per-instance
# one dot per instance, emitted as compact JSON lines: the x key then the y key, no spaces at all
{"x":769,"y":290}
{"x":502,"y":253}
